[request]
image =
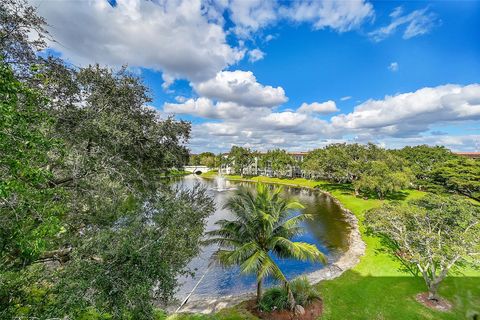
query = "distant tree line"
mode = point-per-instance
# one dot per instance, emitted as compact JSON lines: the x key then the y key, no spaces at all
{"x":369,"y":168}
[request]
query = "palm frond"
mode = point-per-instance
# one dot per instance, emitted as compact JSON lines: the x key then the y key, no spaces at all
{"x":303,"y":251}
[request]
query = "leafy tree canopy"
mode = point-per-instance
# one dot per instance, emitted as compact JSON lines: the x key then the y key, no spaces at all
{"x":240,"y":158}
{"x":430,"y":236}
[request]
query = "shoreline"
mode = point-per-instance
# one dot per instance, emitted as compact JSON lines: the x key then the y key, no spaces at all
{"x":347,"y":260}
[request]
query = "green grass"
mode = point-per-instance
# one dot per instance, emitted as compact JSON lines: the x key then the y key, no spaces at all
{"x":236,"y":313}
{"x":376,"y":288}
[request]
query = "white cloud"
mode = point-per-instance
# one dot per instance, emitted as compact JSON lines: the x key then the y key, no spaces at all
{"x":413,"y":112}
{"x":345,"y":98}
{"x":284,"y":119}
{"x":206,"y":108}
{"x":316,"y":107}
{"x":416,"y":23}
{"x":393,"y":66}
{"x":269,"y":37}
{"x":255,"y":55}
{"x":338,"y":15}
{"x":251,"y":15}
{"x":242,"y":88}
{"x":396,"y":12}
{"x":178,"y":37}
{"x":395,"y":121}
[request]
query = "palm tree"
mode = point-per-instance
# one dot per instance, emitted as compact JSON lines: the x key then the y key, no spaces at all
{"x":263,"y":226}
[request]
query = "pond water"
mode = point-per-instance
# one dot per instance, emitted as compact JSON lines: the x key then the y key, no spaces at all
{"x":328,"y":230}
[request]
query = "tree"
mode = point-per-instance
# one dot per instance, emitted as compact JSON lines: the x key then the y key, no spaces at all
{"x":423,"y":159}
{"x":81,"y":205}
{"x":263,"y":225}
{"x":30,"y":212}
{"x":80,"y":191}
{"x":208,"y":159}
{"x":278,"y":160}
{"x":367,"y":167}
{"x":383,"y":177}
{"x":430,"y":236}
{"x":22,"y":35}
{"x":461,"y":175}
{"x":240,"y":158}
{"x":194,"y":160}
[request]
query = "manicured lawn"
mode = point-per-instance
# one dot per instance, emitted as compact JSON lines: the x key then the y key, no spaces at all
{"x":376,"y":288}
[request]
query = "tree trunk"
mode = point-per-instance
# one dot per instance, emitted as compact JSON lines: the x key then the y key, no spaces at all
{"x":432,"y":291}
{"x":291,"y":298}
{"x":259,"y":291}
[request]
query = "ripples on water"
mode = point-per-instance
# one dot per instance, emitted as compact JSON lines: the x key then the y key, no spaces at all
{"x":328,"y":230}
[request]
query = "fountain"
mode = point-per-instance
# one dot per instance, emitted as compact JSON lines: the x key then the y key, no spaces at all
{"x":221,"y":184}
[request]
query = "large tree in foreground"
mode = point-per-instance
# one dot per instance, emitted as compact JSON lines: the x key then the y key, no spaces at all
{"x":263,"y":225}
{"x":430,"y":236}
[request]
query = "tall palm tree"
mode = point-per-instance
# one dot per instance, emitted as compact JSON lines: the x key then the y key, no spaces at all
{"x":263,"y":226}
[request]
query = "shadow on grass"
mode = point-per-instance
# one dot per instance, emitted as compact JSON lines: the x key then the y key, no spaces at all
{"x":344,"y":188}
{"x":347,"y":189}
{"x":354,"y":296}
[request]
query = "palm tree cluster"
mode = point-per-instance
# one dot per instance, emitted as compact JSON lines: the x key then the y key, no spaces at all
{"x":263,"y":226}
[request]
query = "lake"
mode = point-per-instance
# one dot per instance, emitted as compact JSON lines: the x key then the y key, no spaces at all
{"x":328,"y":230}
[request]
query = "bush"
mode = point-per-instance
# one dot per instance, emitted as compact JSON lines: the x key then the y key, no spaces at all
{"x":303,"y":291}
{"x":276,"y":298}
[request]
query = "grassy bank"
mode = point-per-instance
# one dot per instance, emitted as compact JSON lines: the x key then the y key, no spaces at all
{"x":376,"y":288}
{"x":174,"y":173}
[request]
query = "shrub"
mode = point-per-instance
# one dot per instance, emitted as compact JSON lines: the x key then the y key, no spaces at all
{"x":303,"y":291}
{"x":276,"y":298}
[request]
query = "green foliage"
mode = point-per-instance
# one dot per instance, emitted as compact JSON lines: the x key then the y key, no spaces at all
{"x":278,"y":160}
{"x":236,"y":313}
{"x":303,"y":291}
{"x":276,"y":298}
{"x":87,"y":228}
{"x":430,"y":236}
{"x":378,"y":178}
{"x":30,"y":211}
{"x":240,"y":158}
{"x":369,"y":168}
{"x":461,"y":175}
{"x":205,"y":159}
{"x":262,"y":225}
{"x":22,"y":35}
{"x":423,"y":159}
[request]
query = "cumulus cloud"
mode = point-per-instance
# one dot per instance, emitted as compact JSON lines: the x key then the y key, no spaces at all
{"x":251,"y":15}
{"x":206,"y":108}
{"x":255,"y":55}
{"x":338,"y":15}
{"x":184,"y":39}
{"x":395,"y":121}
{"x":284,"y":119}
{"x":393,"y":66}
{"x":316,"y":107}
{"x":416,"y":23}
{"x":177,"y":37}
{"x":413,"y":112}
{"x":242,"y":88}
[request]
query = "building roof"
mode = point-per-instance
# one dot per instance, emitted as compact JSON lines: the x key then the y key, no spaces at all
{"x":469,"y":154}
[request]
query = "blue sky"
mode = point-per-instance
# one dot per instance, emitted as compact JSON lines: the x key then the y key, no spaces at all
{"x":295,"y":75}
